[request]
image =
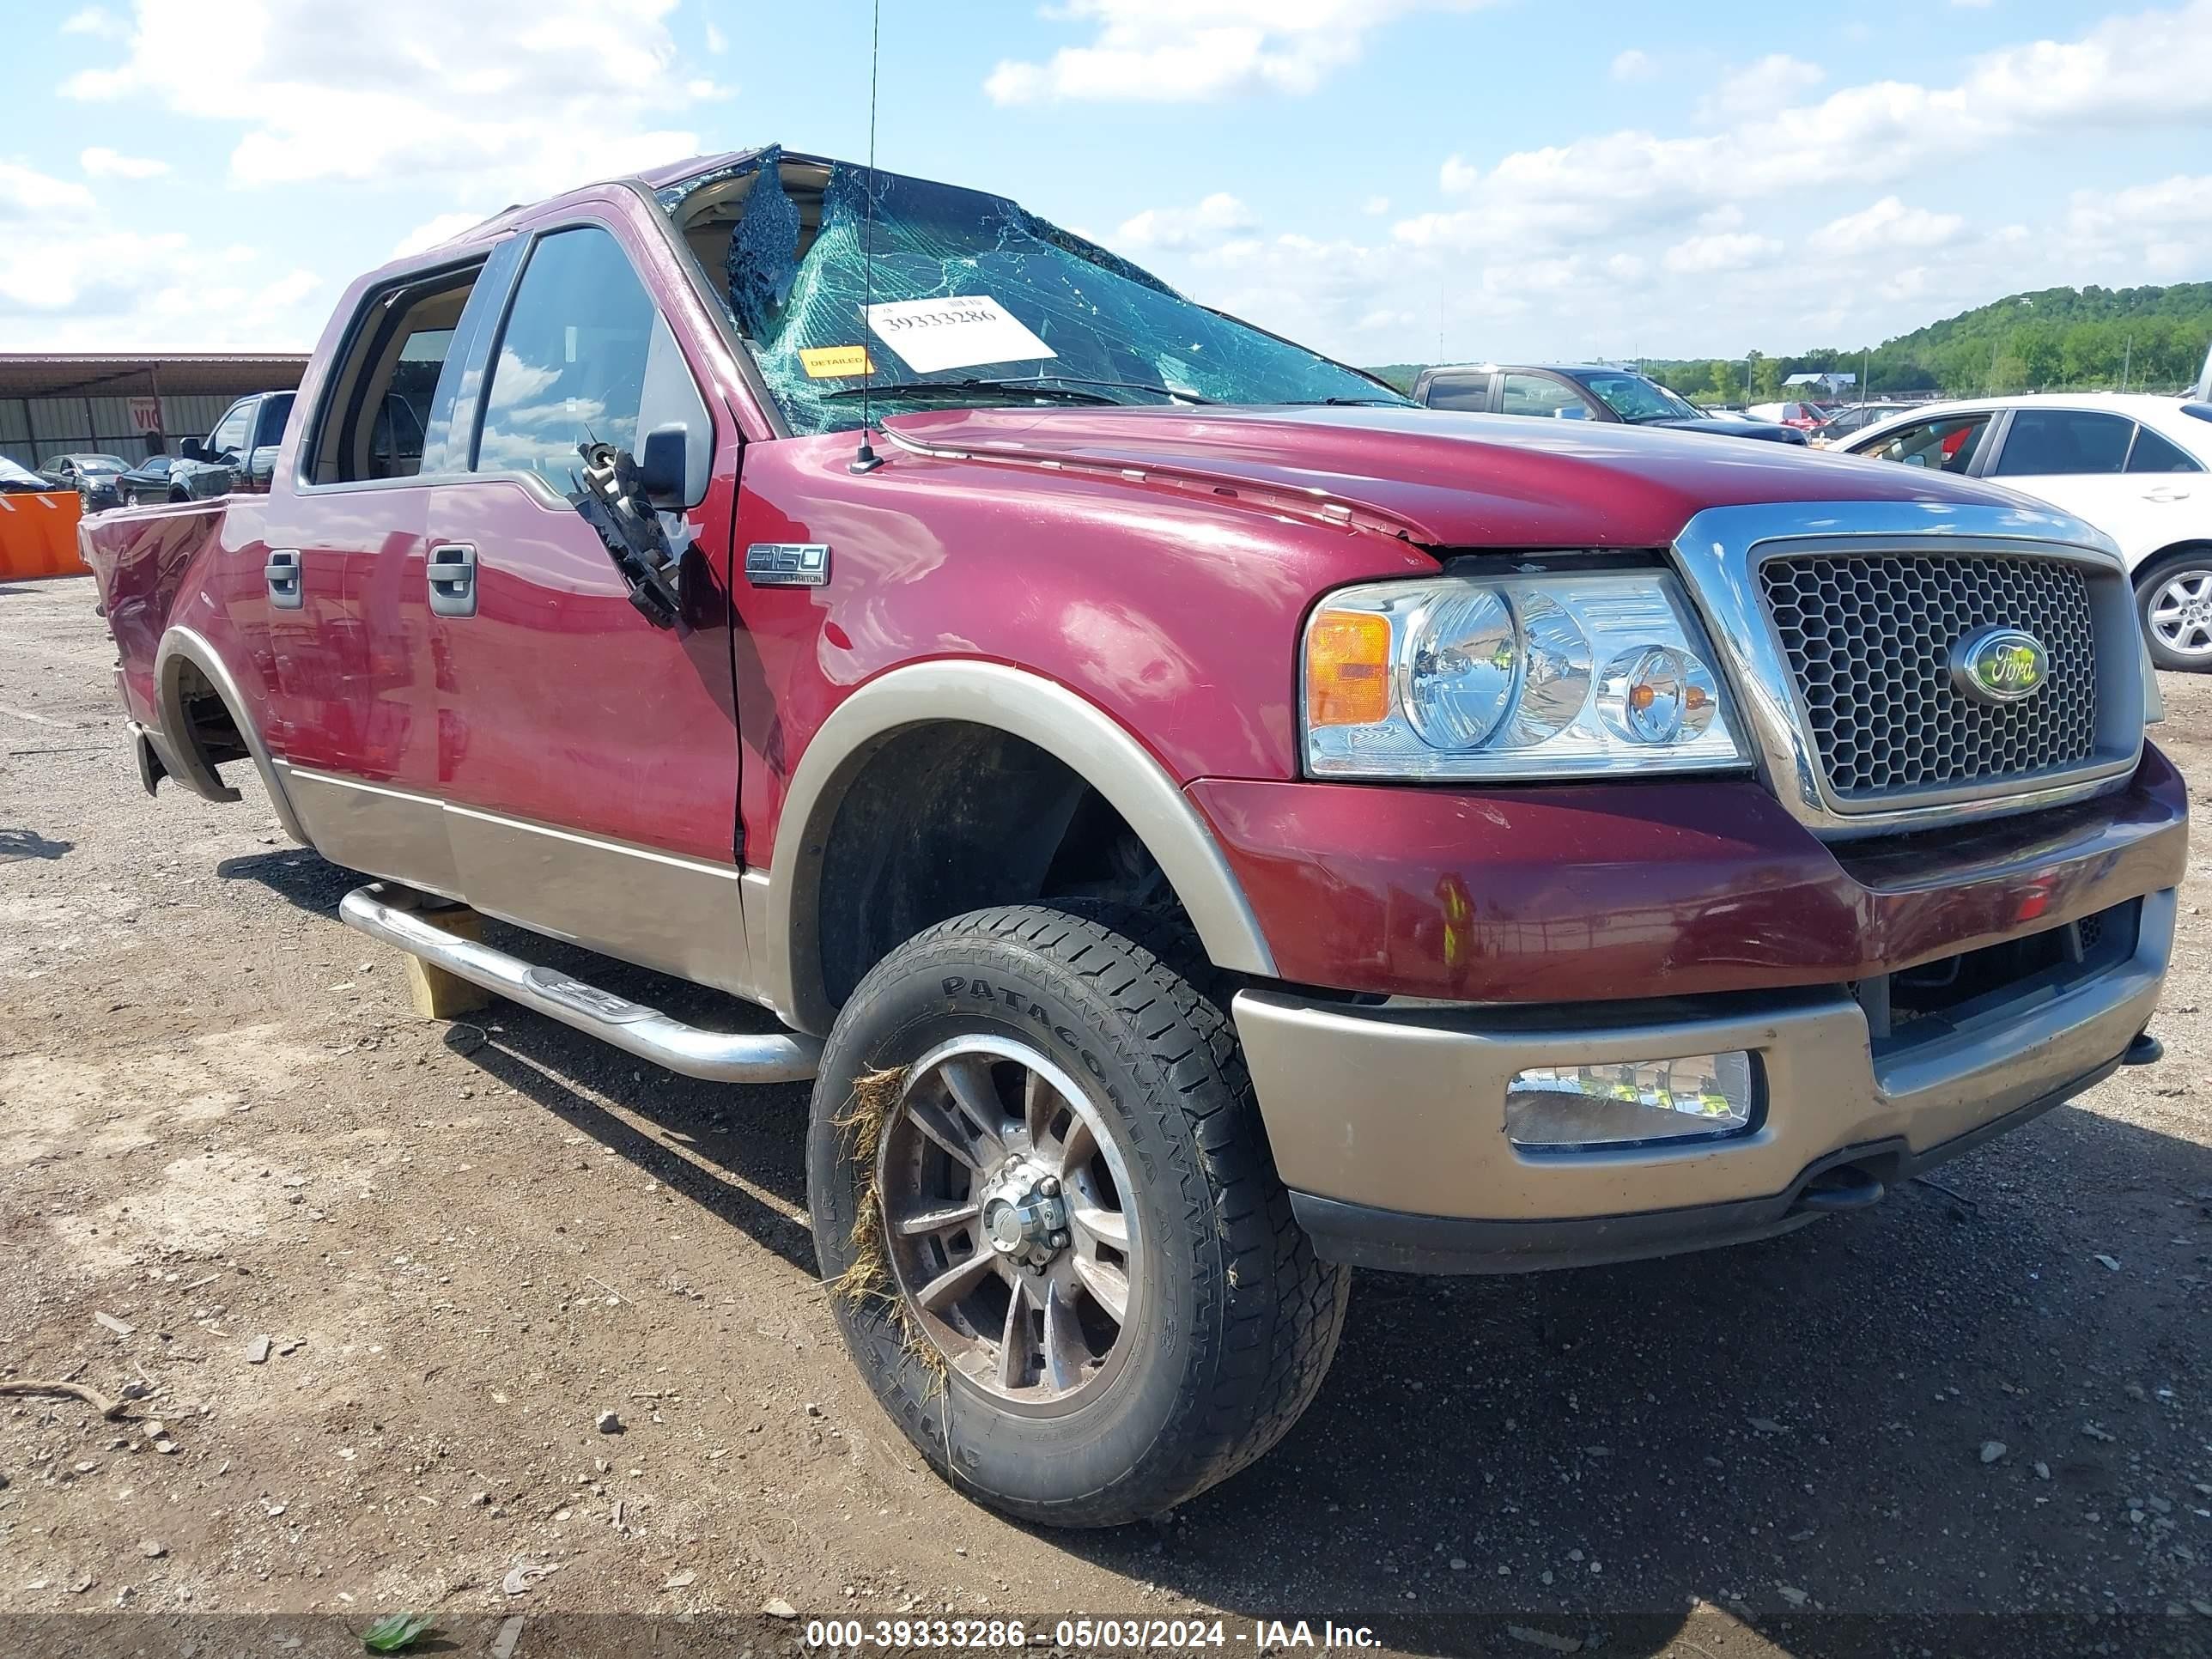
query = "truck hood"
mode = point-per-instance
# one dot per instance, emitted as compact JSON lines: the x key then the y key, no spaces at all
{"x":1437,"y":478}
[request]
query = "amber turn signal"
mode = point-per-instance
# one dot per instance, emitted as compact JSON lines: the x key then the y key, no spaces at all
{"x":1347,"y":669}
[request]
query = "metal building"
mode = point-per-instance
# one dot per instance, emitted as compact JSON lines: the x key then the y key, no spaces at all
{"x":132,"y":405}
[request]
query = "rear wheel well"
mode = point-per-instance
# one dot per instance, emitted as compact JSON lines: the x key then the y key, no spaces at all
{"x":204,"y":719}
{"x":948,"y":817}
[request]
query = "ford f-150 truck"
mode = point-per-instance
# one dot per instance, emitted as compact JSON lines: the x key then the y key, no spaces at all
{"x":1201,"y":820}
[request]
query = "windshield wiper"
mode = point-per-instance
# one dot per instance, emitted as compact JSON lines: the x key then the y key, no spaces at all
{"x":897,"y":389}
{"x":1338,"y":402}
{"x":1175,"y":391}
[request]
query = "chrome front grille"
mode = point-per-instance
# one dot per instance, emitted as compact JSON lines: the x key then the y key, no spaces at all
{"x":1868,"y":638}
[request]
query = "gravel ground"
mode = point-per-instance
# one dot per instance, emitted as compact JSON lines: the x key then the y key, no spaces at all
{"x":1977,"y":1414}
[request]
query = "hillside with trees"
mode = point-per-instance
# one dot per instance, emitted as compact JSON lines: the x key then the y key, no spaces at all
{"x":2140,"y":339}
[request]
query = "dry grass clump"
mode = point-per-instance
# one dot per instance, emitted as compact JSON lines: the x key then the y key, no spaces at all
{"x":875,"y":1100}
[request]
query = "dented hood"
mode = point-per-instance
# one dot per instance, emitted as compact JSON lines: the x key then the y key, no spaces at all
{"x":1437,"y":478}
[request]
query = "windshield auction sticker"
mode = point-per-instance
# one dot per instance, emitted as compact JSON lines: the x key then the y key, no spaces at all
{"x":834,"y":362}
{"x":958,"y":332}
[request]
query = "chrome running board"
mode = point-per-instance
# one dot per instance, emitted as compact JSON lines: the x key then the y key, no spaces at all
{"x":391,"y":915}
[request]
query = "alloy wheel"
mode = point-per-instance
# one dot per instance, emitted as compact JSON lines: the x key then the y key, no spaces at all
{"x":2180,"y":613}
{"x":1007,"y":1223}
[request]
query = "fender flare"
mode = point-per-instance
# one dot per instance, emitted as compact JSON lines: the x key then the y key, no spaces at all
{"x":1093,"y":745}
{"x":176,"y":745}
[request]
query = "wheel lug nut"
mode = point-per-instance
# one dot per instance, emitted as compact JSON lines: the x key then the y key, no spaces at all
{"x":1060,"y":1241}
{"x":1049,"y":1186}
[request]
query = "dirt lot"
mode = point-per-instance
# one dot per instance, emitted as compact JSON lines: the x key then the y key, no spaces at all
{"x":219,"y":1121}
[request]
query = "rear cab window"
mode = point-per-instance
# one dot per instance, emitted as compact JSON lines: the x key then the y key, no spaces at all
{"x":377,"y":403}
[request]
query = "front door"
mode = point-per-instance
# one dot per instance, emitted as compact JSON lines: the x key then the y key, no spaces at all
{"x":586,"y":758}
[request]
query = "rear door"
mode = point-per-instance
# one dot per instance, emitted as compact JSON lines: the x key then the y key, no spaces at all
{"x":1465,"y":389}
{"x":346,"y":631}
{"x":1550,"y":396}
{"x":588,"y":759}
{"x":2075,"y":460}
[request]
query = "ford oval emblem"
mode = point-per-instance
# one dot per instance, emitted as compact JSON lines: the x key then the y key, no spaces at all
{"x":1999,"y":665}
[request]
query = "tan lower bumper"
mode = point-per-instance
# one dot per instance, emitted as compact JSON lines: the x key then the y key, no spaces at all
{"x":1402,"y":1108}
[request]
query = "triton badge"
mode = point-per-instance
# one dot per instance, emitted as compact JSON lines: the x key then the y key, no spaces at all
{"x":1999,"y":665}
{"x":787,"y":564}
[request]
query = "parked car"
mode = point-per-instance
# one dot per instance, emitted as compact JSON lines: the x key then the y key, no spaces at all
{"x":1799,"y":416}
{"x":2133,"y":465}
{"x":1845,"y":422}
{"x":1201,"y":820}
{"x":92,"y":476}
{"x":1581,"y":392}
{"x":235,"y":457}
{"x":149,"y":481}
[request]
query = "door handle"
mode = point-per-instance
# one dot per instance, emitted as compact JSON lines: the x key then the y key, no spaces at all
{"x":2165,"y":495}
{"x":283,"y":572}
{"x":452,"y":573}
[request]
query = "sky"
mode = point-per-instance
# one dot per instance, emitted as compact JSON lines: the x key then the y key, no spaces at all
{"x":1388,"y":180}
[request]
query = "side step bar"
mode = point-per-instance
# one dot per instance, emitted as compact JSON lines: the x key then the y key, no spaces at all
{"x":389,"y":914}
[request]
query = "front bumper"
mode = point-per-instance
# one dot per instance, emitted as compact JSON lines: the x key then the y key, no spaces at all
{"x":1387,"y":1122}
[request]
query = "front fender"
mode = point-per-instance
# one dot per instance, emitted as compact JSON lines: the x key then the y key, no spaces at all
{"x":1104,"y":754}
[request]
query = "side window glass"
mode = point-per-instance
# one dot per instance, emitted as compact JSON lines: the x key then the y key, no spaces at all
{"x":1460,"y":391}
{"x":275,"y":412}
{"x":1539,"y":394}
{"x":2046,"y":442}
{"x":1944,"y":446}
{"x":229,"y":434}
{"x":571,"y":365}
{"x":378,"y":399}
{"x":2152,"y":453}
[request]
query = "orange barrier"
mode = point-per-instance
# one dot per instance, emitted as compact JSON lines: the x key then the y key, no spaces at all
{"x":37,"y":534}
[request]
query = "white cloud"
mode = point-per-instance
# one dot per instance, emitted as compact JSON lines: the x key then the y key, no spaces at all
{"x":499,"y":100}
{"x":1218,"y":217}
{"x":73,"y":277}
{"x":1733,"y":250}
{"x":1456,"y":177}
{"x":431,"y":232}
{"x":2163,"y":230}
{"x":100,"y":162}
{"x":1175,"y":50}
{"x":1763,"y":86}
{"x":2155,"y":68}
{"x":30,"y":196}
{"x":1634,"y":65}
{"x":1376,"y":206}
{"x":1888,"y":224}
{"x":94,"y":20}
{"x":717,"y":42}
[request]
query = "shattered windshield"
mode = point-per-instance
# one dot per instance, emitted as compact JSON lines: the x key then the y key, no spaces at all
{"x":1635,"y":398}
{"x":971,"y":301}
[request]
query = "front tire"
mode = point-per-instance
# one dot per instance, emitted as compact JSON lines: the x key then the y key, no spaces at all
{"x":2173,"y":601}
{"x":1058,"y":1248}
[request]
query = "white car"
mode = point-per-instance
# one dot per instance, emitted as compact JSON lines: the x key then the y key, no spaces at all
{"x":2136,"y":466}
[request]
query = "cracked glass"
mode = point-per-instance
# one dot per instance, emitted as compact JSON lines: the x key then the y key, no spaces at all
{"x":1077,"y":323}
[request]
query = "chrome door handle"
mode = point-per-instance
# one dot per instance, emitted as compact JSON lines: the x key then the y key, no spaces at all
{"x":2165,"y":495}
{"x":283,"y":572}
{"x":453,"y":573}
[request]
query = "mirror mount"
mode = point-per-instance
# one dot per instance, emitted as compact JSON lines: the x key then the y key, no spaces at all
{"x":192,"y":450}
{"x":611,"y":498}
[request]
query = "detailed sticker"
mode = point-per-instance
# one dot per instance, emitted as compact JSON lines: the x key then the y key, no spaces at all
{"x":831,"y":362}
{"x":960,"y":331}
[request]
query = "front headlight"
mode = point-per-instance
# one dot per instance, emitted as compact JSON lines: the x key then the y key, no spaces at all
{"x":1525,"y":677}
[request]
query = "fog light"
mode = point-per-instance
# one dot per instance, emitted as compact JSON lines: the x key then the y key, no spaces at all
{"x":1568,"y":1107}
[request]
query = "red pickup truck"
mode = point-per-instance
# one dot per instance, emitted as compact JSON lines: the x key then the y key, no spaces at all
{"x":1201,"y":820}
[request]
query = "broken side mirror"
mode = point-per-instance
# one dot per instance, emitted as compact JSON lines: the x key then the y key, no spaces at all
{"x":664,"y":467}
{"x":192,"y":450}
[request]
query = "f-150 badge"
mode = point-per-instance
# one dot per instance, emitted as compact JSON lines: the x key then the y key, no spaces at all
{"x":787,"y":564}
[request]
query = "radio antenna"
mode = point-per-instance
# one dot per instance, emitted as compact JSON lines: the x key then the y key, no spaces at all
{"x":866,"y":460}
